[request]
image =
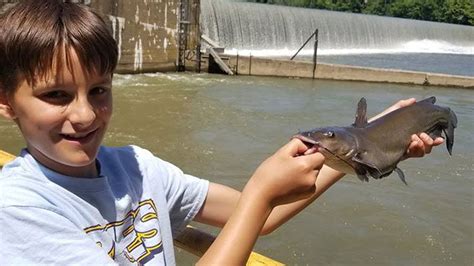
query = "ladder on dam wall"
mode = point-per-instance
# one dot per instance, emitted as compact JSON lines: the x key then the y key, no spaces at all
{"x":216,"y":61}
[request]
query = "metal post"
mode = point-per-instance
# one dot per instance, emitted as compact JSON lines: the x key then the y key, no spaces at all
{"x":250,"y":64}
{"x":315,"y":53}
{"x":237,"y":64}
{"x":197,"y":27}
{"x":316,"y":32}
{"x":183,"y":33}
{"x":198,"y":56}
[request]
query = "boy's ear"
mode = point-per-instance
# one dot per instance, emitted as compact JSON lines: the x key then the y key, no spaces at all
{"x":5,"y":108}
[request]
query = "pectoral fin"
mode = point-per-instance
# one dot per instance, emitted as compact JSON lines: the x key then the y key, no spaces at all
{"x":361,"y":173}
{"x":363,"y":178}
{"x":365,"y":168}
{"x":370,"y":168}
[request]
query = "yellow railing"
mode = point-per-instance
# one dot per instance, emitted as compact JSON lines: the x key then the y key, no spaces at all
{"x":5,"y":157}
{"x":191,"y":240}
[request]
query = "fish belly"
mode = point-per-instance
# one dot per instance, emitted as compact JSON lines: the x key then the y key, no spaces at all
{"x":338,"y":164}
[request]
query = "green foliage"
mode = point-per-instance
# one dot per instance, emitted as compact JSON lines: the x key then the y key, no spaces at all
{"x":449,"y":11}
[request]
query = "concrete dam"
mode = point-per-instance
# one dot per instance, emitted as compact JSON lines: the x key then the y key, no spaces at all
{"x":155,"y":35}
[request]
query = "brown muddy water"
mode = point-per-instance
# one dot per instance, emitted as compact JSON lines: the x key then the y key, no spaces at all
{"x":221,"y":128}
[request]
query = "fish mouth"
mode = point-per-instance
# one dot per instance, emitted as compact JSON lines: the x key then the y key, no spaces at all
{"x":306,"y":140}
{"x":314,"y":146}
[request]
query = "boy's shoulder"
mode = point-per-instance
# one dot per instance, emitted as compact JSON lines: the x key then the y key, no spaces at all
{"x":23,"y":185}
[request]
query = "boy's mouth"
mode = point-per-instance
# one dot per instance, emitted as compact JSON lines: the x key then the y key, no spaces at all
{"x":80,"y":137}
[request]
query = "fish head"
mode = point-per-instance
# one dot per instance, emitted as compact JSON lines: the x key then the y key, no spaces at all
{"x":337,"y":144}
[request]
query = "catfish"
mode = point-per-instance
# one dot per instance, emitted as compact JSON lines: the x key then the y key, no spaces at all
{"x":375,"y":148}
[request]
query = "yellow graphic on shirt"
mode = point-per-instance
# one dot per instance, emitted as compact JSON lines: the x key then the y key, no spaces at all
{"x":138,"y":230}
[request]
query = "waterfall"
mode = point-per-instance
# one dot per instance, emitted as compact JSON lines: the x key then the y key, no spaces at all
{"x":263,"y":29}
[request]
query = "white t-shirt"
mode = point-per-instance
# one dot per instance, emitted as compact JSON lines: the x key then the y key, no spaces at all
{"x":128,"y":215}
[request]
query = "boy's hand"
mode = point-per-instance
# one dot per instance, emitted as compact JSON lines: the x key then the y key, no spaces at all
{"x":421,"y":143}
{"x":286,"y":177}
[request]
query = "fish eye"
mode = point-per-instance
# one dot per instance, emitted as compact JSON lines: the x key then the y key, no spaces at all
{"x":329,"y":134}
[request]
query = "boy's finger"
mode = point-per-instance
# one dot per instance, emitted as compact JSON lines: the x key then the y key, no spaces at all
{"x":438,"y":141}
{"x":427,"y":142}
{"x":294,"y":147}
{"x":314,"y":160}
{"x":416,"y":147}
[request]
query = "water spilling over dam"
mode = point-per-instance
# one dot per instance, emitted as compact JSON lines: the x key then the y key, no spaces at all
{"x":271,"y":30}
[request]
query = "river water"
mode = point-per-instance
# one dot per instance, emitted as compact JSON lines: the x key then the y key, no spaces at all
{"x":221,"y":128}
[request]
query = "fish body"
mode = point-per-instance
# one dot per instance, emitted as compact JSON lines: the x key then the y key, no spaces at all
{"x":375,"y":148}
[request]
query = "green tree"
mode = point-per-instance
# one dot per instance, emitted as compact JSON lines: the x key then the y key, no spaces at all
{"x":458,"y":12}
{"x":450,"y":11}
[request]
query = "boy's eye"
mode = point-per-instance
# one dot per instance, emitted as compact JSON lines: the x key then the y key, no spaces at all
{"x":55,"y":96}
{"x":98,"y":90}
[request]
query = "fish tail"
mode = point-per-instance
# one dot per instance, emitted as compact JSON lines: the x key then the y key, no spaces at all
{"x":449,"y":132}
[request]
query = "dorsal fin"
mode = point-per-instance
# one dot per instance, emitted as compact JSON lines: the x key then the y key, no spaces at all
{"x":361,"y":114}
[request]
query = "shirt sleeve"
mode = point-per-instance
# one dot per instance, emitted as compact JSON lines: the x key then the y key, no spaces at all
{"x":185,"y":196}
{"x":31,"y":235}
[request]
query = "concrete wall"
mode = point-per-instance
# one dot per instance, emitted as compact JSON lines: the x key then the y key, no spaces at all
{"x":284,"y":68}
{"x":146,"y":31}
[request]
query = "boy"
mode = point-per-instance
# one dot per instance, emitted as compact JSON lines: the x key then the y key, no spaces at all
{"x":68,"y":200}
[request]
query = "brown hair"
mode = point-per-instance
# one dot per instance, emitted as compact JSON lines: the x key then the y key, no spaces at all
{"x":33,"y":33}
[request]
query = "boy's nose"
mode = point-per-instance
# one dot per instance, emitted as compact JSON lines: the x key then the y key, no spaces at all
{"x":81,"y":113}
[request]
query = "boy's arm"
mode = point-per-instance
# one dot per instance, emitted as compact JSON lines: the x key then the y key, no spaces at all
{"x":221,"y":201}
{"x":280,"y":179}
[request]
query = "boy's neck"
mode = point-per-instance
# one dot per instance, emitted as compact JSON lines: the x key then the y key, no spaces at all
{"x":88,"y":171}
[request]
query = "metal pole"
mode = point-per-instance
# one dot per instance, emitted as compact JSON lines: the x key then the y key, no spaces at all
{"x":237,"y":65}
{"x":303,"y":45}
{"x":183,"y":34}
{"x":315,"y":54}
{"x":198,"y":56}
{"x":250,"y":64}
{"x":197,"y":25}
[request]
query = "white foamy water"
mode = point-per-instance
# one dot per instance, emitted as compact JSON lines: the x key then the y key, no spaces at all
{"x":415,"y":46}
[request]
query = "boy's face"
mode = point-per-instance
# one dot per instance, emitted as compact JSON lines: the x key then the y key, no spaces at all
{"x":64,"y":116}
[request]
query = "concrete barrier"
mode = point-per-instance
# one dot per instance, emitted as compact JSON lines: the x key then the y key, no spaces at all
{"x":255,"y":66}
